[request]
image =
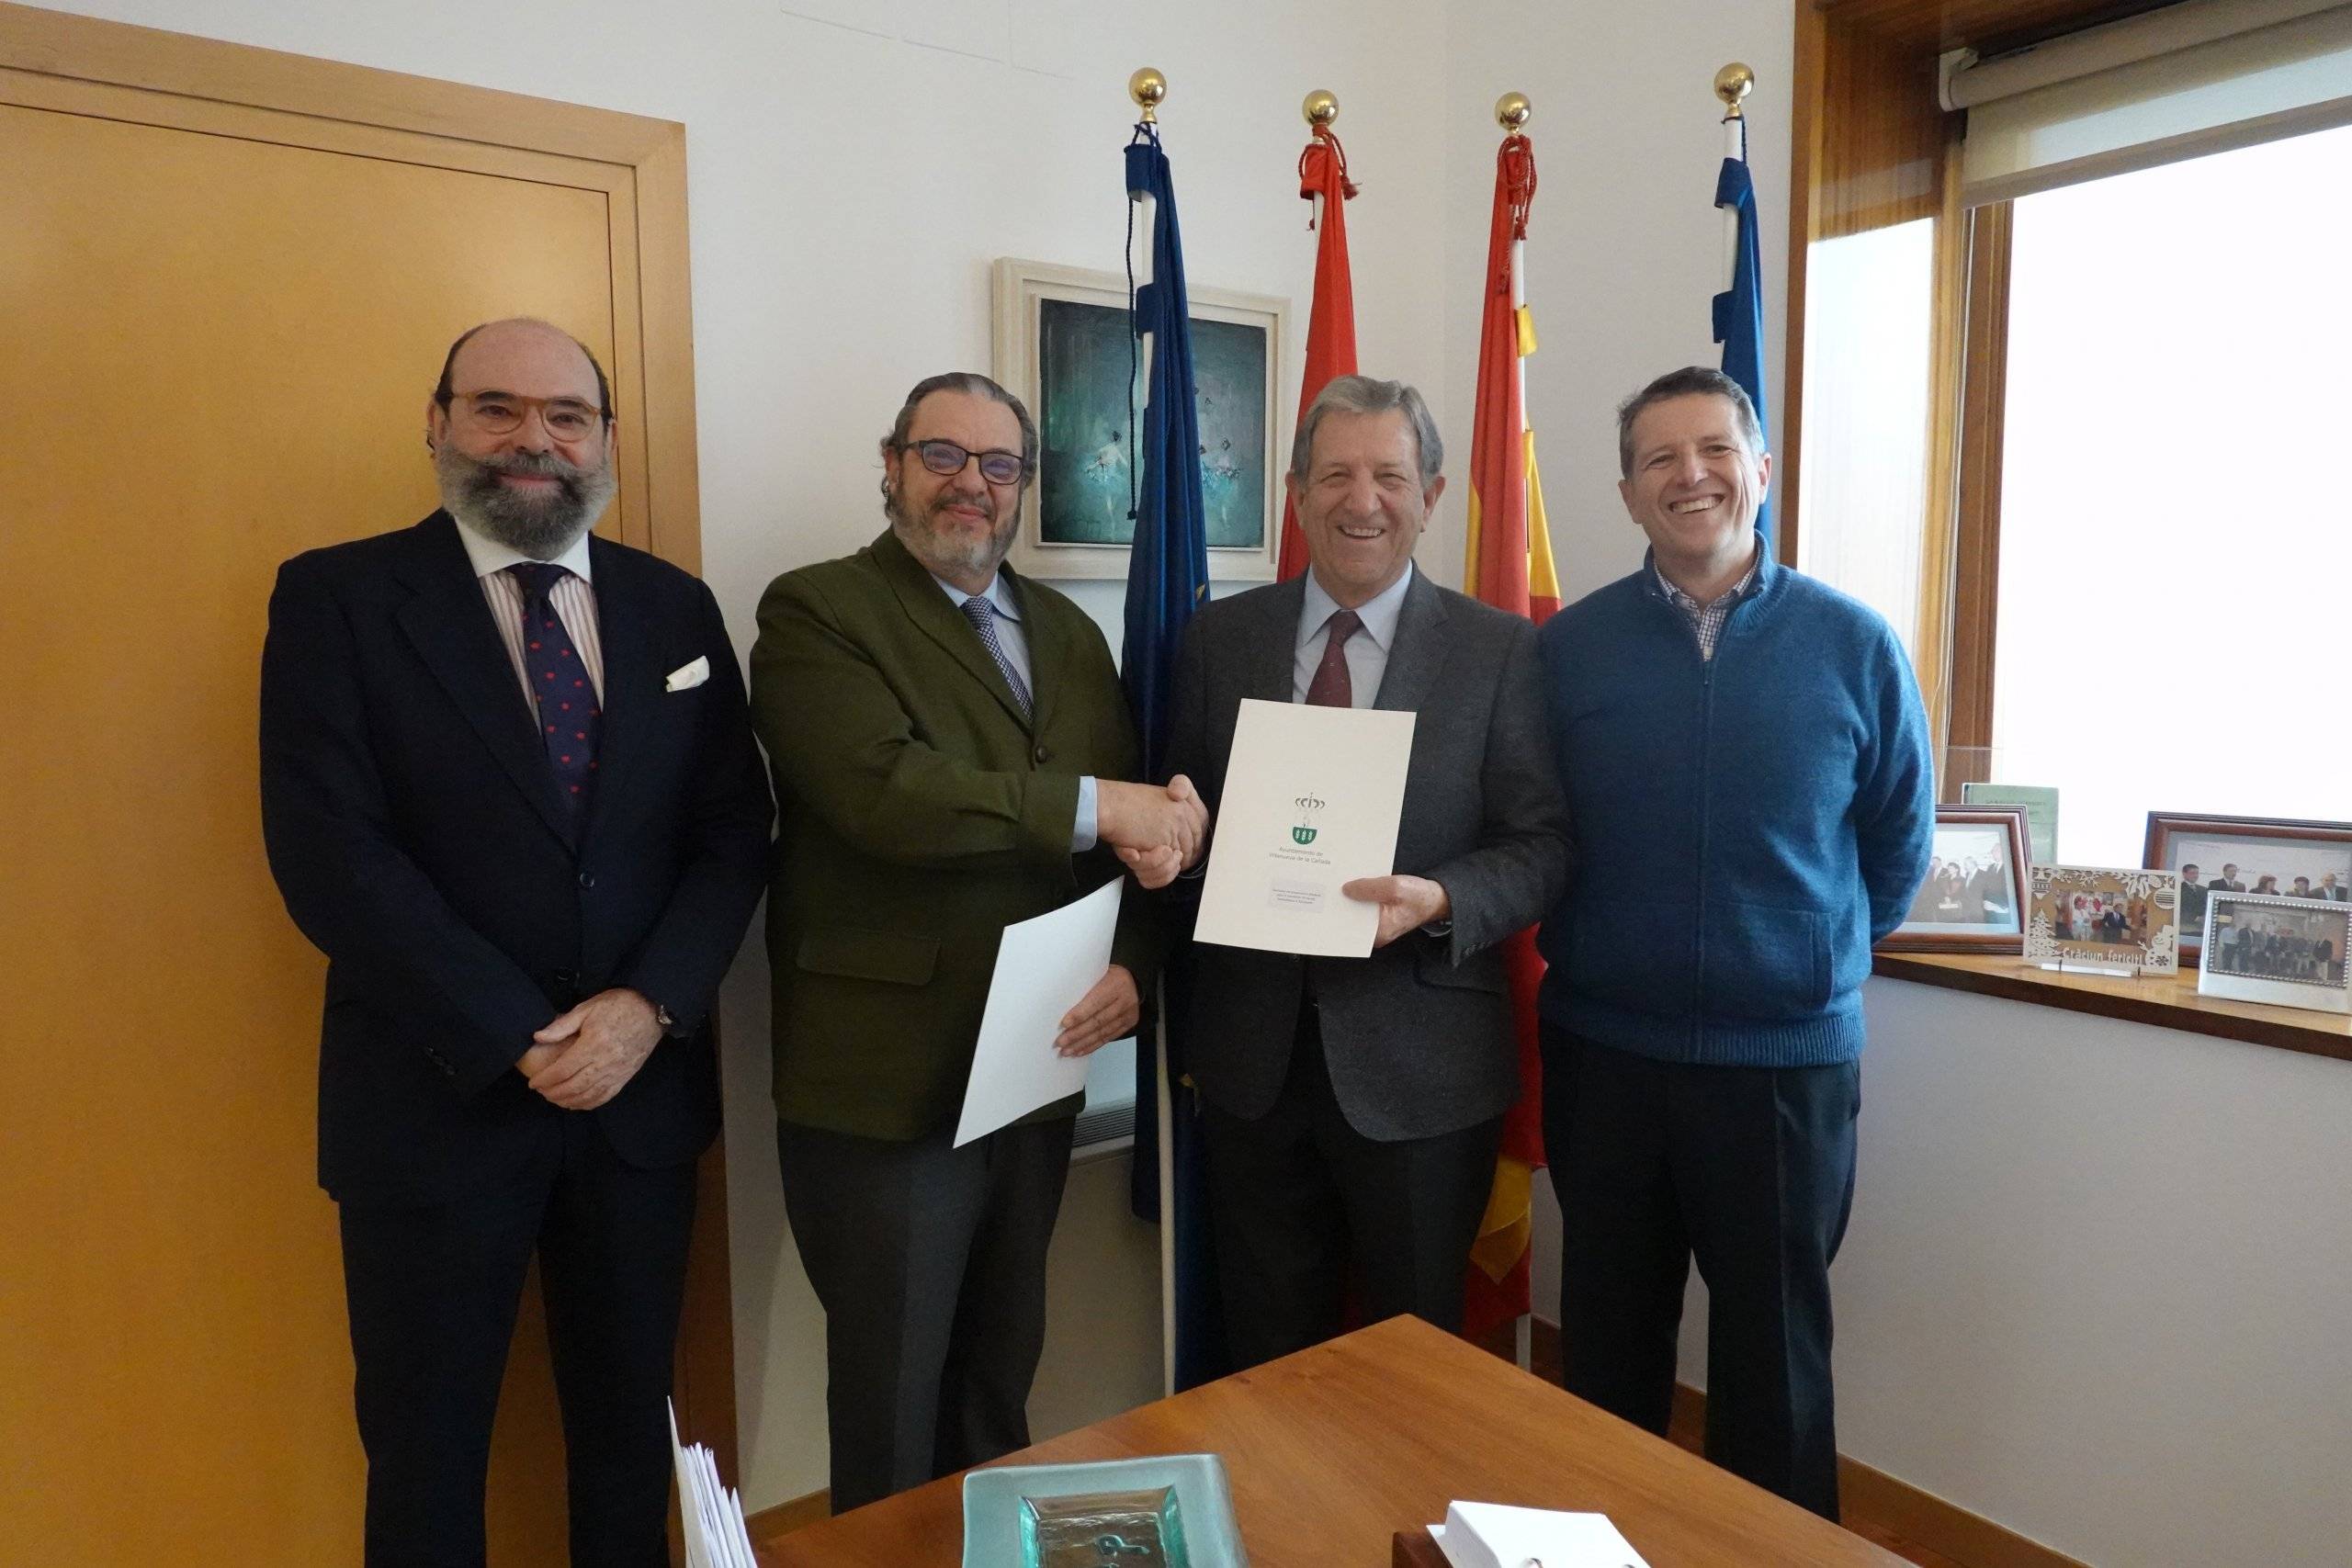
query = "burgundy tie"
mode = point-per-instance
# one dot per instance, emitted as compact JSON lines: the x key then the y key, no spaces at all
{"x":1330,"y":688}
{"x":568,"y":710}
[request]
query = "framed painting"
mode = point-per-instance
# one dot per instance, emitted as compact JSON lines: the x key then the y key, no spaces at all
{"x":2273,"y":857}
{"x":1973,"y":899}
{"x":1062,"y":344}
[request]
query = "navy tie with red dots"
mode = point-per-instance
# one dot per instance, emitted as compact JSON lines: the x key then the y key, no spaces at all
{"x":568,"y":707}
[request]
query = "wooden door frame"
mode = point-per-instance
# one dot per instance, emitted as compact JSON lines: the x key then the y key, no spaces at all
{"x":640,"y":163}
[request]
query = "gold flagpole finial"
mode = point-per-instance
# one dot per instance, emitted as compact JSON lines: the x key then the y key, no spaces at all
{"x":1512,"y":112}
{"x":1147,"y":87}
{"x":1320,"y":107}
{"x":1733,"y":83}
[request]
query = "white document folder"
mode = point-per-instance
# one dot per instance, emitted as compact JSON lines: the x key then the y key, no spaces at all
{"x":1313,"y":796}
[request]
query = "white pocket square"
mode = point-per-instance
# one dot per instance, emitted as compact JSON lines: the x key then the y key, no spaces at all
{"x":687,"y":677}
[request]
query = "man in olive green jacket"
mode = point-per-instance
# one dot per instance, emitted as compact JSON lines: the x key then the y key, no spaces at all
{"x":948,"y":742}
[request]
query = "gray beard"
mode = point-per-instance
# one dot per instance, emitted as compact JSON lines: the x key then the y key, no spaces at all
{"x":541,"y":527}
{"x":941,"y":559}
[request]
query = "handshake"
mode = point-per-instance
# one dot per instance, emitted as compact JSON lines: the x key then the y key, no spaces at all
{"x":1157,"y":832}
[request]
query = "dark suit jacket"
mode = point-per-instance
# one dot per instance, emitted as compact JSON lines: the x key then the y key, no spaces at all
{"x":1419,"y":1035}
{"x":921,"y":816}
{"x":413,"y":826}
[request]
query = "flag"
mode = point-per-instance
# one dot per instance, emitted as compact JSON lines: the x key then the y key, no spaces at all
{"x":1168,"y":581}
{"x":1739,"y":310}
{"x":1332,"y":319}
{"x":1509,"y":567}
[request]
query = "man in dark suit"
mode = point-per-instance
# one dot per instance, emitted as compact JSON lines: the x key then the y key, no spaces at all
{"x":1353,"y":1107}
{"x":949,"y":742}
{"x":509,"y":788}
{"x":2331,"y":888}
{"x":2227,"y":882}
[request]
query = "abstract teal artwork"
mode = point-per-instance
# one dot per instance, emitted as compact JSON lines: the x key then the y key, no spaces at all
{"x":1085,"y":360}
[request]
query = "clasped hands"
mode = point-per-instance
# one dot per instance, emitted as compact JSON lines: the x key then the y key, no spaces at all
{"x":586,"y":1056}
{"x":1157,"y":832}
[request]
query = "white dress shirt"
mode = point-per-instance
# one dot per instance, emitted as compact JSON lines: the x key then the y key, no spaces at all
{"x":1367,"y":651}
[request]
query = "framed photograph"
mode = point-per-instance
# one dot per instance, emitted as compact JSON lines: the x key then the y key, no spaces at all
{"x":2274,"y":857}
{"x":1974,"y":899}
{"x":1062,"y":344}
{"x":2289,"y":950}
{"x":2104,"y":915}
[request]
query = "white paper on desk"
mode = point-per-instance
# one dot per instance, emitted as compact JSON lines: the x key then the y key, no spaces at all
{"x":1494,"y":1535}
{"x":1044,"y":968}
{"x":1312,"y":800}
{"x":710,"y":1513}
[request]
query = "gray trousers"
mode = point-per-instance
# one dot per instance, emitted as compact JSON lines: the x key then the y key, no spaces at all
{"x":930,"y":1262}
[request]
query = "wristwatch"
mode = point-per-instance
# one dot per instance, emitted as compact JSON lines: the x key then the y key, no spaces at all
{"x":667,"y":1020}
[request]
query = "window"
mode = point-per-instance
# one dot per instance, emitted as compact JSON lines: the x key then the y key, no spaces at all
{"x":2175,"y":528}
{"x":1863,"y":489}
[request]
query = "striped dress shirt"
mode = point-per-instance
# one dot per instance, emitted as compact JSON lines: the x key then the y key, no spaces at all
{"x":575,"y":598}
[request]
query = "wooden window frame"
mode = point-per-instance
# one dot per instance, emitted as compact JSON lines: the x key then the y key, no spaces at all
{"x":1873,"y":146}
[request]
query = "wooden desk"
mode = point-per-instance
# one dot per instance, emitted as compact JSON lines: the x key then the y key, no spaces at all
{"x":1333,"y":1451}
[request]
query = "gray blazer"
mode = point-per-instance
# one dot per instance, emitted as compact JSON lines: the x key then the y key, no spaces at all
{"x":1419,"y":1035}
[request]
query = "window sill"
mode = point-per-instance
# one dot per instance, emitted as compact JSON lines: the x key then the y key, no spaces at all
{"x":2167,"y":1002}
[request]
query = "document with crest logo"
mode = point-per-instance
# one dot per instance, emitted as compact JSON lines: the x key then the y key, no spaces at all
{"x":1312,"y":799}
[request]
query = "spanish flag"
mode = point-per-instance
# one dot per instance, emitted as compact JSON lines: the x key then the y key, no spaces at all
{"x":1509,"y":567}
{"x":1332,"y":319}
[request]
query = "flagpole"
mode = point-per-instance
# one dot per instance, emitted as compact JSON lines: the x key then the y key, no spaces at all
{"x":1318,"y":108}
{"x":1513,"y":111}
{"x":1148,"y":88}
{"x":1733,"y":83}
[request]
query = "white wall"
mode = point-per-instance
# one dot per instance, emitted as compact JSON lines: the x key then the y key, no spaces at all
{"x":2096,"y":1282}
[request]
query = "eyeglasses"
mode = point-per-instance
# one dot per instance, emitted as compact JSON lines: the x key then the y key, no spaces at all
{"x":497,"y":413}
{"x":946,"y":458}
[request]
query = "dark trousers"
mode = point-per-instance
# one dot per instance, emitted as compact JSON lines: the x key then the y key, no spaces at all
{"x":1751,"y":1169}
{"x":433,"y":1292}
{"x":930,"y":1262}
{"x":1301,"y":1203}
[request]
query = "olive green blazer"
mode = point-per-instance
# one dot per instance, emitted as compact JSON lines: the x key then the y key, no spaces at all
{"x":921,"y":814}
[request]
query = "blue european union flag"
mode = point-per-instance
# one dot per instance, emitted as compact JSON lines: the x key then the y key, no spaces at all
{"x":1739,"y":310}
{"x":1167,"y":580}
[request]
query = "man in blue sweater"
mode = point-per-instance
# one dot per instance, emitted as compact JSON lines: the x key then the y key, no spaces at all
{"x":1752,"y":799}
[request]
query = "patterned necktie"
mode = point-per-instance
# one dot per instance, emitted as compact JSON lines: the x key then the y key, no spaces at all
{"x":1331,"y":688}
{"x":568,"y":707}
{"x":982,"y":615}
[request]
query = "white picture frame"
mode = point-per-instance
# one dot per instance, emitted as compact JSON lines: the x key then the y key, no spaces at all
{"x":2315,"y":977}
{"x":2128,"y":917}
{"x":1031,"y":297}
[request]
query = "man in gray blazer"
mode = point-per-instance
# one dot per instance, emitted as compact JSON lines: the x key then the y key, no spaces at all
{"x":1353,"y":1107}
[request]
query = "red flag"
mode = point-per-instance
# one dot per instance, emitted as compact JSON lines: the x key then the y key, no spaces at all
{"x":1331,"y":320}
{"x":1510,"y":566}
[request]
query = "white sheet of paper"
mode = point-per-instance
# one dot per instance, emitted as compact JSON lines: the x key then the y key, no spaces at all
{"x":1044,"y":968}
{"x":1495,"y":1535}
{"x":1313,"y":796}
{"x":709,"y":1512}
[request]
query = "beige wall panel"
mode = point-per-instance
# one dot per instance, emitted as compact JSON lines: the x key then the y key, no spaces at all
{"x":214,"y":353}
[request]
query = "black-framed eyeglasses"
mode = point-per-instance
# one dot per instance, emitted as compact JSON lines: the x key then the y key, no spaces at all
{"x":945,"y":459}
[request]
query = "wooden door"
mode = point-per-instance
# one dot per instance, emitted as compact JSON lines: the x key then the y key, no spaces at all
{"x":220,"y":321}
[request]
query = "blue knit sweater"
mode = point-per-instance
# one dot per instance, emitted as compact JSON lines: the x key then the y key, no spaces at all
{"x":1745,"y":829}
